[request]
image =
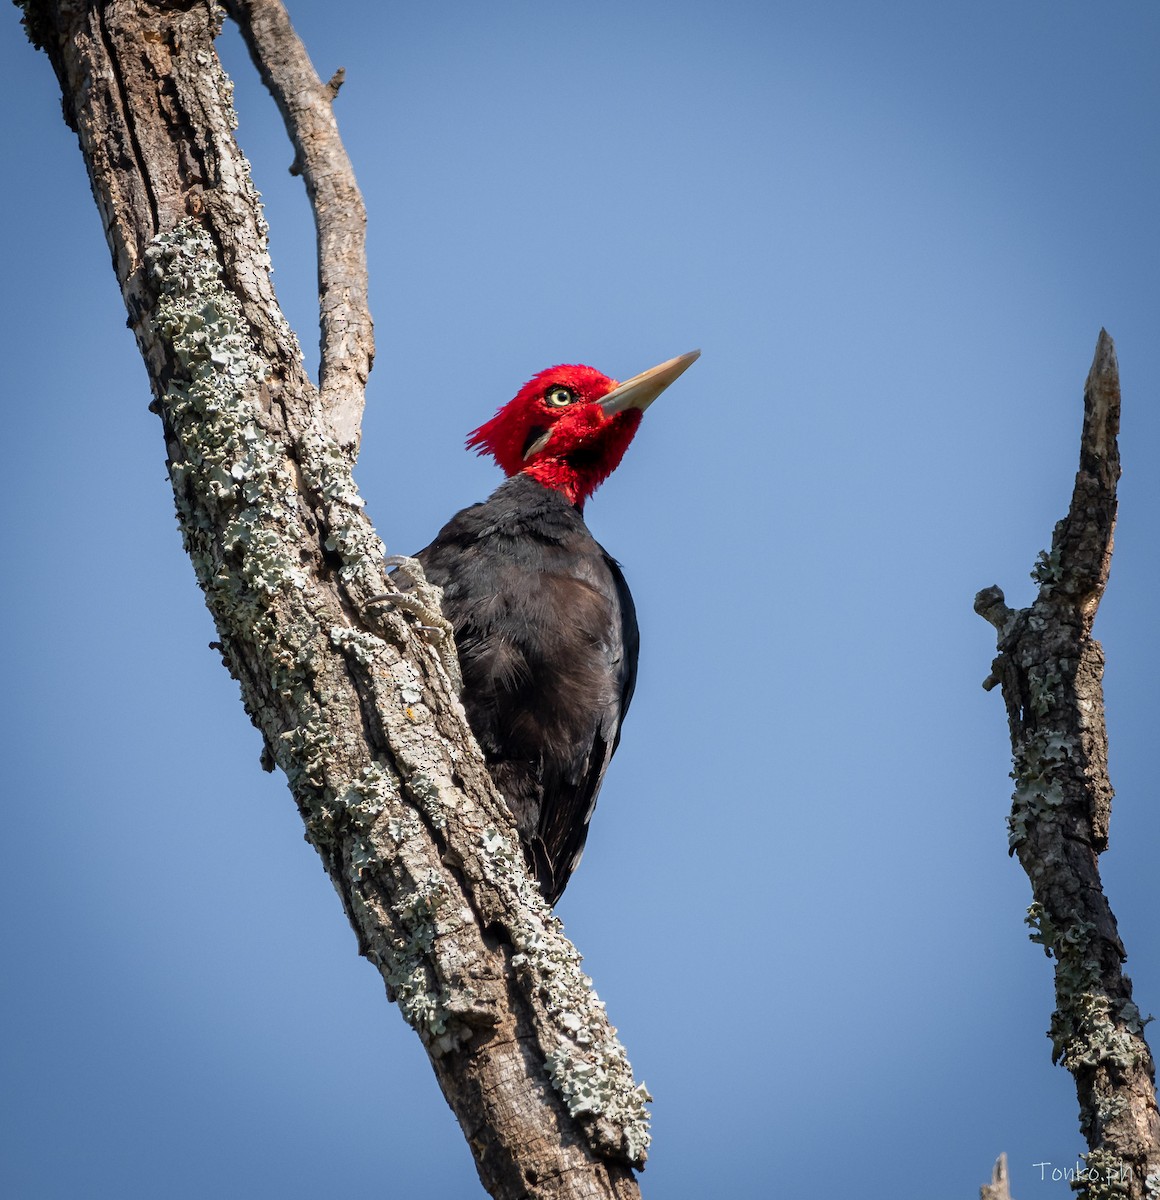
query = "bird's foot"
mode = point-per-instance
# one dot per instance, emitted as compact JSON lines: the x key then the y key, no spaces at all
{"x":424,"y":600}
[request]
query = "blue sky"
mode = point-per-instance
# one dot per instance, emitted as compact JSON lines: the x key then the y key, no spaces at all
{"x":895,"y":232}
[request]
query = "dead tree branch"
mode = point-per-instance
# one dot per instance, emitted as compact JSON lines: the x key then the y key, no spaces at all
{"x":356,"y":709}
{"x":1051,"y":671}
{"x":1000,"y":1186}
{"x":306,"y":104}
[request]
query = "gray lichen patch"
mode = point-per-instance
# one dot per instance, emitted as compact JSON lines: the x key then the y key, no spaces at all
{"x":1088,"y":1028}
{"x":421,"y":998}
{"x":1042,"y":760}
{"x":239,"y":508}
{"x":212,"y":403}
{"x":227,"y":467}
{"x":1048,"y":569}
{"x":364,"y":648}
{"x":435,"y":796}
{"x":229,"y":474}
{"x":586,"y":1061}
{"x":326,"y":471}
{"x":1103,"y":1176}
{"x":368,"y":797}
{"x":422,"y":933}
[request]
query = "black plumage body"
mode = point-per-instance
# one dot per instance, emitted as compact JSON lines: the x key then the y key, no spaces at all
{"x":547,"y":638}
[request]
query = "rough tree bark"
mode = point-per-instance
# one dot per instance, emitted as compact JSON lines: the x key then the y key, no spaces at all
{"x":355,"y":708}
{"x":1051,"y":672}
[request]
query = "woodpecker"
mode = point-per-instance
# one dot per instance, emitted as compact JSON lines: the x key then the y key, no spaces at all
{"x":544,"y":623}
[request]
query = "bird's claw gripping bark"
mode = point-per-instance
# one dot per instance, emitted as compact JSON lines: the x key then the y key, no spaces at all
{"x":425,"y":601}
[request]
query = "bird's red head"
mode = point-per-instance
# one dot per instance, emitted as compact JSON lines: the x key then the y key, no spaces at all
{"x":569,"y":426}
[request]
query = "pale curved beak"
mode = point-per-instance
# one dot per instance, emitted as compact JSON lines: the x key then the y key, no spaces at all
{"x":641,"y":390}
{"x":638,"y":392}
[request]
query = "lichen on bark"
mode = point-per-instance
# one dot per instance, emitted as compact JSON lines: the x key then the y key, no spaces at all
{"x":353,"y":704}
{"x":1051,"y":670}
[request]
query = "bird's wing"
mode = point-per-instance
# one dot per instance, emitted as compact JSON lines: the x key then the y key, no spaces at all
{"x":547,"y":639}
{"x":571,"y":783}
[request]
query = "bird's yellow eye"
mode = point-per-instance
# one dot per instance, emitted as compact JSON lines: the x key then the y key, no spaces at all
{"x":560,"y":396}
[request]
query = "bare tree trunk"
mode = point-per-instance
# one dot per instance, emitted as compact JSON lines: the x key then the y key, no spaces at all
{"x":356,"y":710}
{"x":1051,"y":672}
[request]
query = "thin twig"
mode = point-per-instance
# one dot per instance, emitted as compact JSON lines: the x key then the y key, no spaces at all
{"x":348,"y":346}
{"x":1051,"y":672}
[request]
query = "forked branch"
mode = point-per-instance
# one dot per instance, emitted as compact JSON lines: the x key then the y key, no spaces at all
{"x":354,"y":706}
{"x":1051,"y":672}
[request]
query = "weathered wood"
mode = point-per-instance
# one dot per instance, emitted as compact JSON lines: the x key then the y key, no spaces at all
{"x":355,"y":707}
{"x":348,"y":345}
{"x":1051,"y":672}
{"x":999,"y":1188}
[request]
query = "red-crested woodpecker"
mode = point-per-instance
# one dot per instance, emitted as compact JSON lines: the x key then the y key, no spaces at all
{"x":544,"y":622}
